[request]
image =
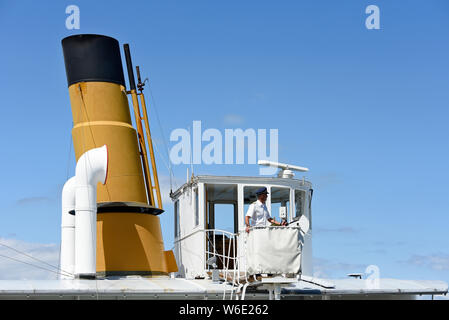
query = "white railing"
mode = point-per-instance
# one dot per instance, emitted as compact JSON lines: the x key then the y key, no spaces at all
{"x":226,"y":253}
{"x":223,"y":246}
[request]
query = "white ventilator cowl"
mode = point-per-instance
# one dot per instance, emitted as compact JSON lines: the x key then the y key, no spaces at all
{"x":91,"y":169}
{"x":67,"y":259}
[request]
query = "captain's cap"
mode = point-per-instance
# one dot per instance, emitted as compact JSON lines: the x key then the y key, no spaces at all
{"x":261,"y":191}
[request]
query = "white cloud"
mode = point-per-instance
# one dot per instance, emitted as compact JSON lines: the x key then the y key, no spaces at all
{"x":439,"y":261}
{"x":14,"y":270}
{"x":389,"y":243}
{"x":324,"y":268}
{"x":335,"y":230}
{"x":32,"y":200}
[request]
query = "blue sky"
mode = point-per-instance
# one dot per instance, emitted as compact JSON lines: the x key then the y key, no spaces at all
{"x":365,"y":110}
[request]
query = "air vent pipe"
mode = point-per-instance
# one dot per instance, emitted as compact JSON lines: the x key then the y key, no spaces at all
{"x":67,"y":259}
{"x":91,"y":169}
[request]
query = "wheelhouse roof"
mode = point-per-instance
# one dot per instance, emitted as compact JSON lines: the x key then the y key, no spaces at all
{"x":274,"y":181}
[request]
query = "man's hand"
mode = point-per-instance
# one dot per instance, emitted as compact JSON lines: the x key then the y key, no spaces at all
{"x":247,"y":223}
{"x":282,"y":223}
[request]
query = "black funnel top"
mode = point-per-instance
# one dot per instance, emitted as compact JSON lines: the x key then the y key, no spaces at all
{"x":91,"y":57}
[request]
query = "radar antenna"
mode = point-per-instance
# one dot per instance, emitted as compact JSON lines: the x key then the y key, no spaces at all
{"x":286,"y":170}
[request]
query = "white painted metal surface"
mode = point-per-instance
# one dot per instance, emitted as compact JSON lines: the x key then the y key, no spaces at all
{"x":166,"y":288}
{"x":67,"y":258}
{"x":91,"y":169}
{"x":283,"y":166}
{"x":346,"y":287}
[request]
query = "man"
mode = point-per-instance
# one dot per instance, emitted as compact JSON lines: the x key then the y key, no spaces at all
{"x":258,"y":211}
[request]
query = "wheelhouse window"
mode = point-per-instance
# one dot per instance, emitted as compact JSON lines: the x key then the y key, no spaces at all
{"x":196,"y":205}
{"x":176,"y":210}
{"x":300,"y":202}
{"x":221,"y":207}
{"x":221,"y":216}
{"x":280,"y":197}
{"x":249,"y":196}
{"x":310,"y":207}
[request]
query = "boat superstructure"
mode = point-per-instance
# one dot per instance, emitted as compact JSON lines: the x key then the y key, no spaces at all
{"x":209,"y":216}
{"x":111,"y":234}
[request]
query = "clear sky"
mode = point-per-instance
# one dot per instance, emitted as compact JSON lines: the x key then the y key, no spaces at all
{"x":365,"y":110}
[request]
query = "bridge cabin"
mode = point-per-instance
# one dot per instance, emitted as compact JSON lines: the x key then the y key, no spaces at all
{"x":209,"y":222}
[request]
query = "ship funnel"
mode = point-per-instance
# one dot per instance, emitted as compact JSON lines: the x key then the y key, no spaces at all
{"x":120,"y":213}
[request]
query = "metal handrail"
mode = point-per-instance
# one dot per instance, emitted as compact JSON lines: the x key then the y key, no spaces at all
{"x":189,"y":235}
{"x":211,"y":249}
{"x":230,"y":264}
{"x":226,"y":258}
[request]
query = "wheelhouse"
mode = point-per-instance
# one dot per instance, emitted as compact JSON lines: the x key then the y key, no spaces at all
{"x":209,"y":216}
